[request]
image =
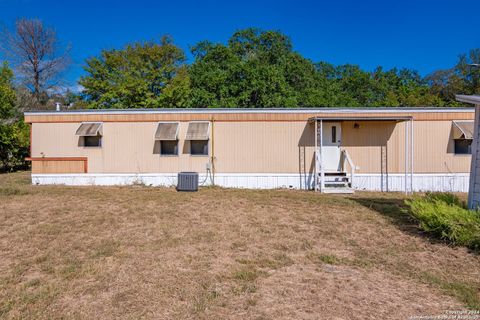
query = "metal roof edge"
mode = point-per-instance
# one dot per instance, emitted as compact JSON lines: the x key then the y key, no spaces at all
{"x":473,"y":99}
{"x":257,"y":111}
{"x":348,"y":118}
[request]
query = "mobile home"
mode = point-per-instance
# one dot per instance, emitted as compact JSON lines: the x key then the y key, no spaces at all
{"x":325,"y":149}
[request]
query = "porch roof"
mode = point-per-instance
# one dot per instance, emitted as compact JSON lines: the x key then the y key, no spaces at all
{"x":350,"y":118}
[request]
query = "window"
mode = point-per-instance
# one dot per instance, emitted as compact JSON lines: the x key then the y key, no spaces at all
{"x":169,"y":147}
{"x":463,"y":146}
{"x":198,"y":135}
{"x":198,"y":130}
{"x":167,"y":136}
{"x":95,"y":141}
{"x":199,"y":147}
{"x":462,"y":133}
{"x":334,"y":134}
{"x":167,"y":131}
{"x":90,"y":134}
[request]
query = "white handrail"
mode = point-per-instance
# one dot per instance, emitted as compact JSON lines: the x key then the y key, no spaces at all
{"x":351,"y":164}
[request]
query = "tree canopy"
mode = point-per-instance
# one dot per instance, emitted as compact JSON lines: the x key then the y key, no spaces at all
{"x":260,"y":69}
{"x":14,"y":133}
{"x":463,"y":78}
{"x":256,"y":69}
{"x":142,"y":75}
{"x":7,"y":93}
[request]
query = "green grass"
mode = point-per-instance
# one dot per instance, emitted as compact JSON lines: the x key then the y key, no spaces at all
{"x":462,"y":291}
{"x":329,"y":259}
{"x":12,"y":191}
{"x":274,"y":262}
{"x":247,"y":274}
{"x":444,"y":216}
{"x":106,"y":249}
{"x":448,"y":198}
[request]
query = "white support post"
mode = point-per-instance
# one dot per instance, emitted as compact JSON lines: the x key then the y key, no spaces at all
{"x":411,"y":155}
{"x":315,"y":157}
{"x":474,"y":186}
{"x":322,"y":169}
{"x":406,"y":157}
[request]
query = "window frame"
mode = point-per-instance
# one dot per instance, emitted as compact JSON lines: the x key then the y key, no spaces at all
{"x":469,"y":147}
{"x":176,"y":148}
{"x":98,"y":136}
{"x":207,"y":146}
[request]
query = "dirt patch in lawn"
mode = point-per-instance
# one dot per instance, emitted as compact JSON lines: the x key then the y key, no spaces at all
{"x":140,"y":252}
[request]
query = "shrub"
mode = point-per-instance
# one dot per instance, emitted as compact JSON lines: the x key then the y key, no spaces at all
{"x":446,"y":197}
{"x":445,"y":216}
{"x":14,"y":146}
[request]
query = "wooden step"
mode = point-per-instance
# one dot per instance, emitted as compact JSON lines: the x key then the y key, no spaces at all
{"x":336,"y":178}
{"x":340,"y":173}
{"x":338,"y":190}
{"x":336,"y":183}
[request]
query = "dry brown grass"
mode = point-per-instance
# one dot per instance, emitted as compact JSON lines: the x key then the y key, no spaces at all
{"x":139,"y":252}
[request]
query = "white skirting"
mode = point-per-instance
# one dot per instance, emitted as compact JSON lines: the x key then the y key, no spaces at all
{"x":446,"y":182}
{"x":453,"y":182}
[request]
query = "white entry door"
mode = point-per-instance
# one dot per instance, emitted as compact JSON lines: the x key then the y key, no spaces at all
{"x":332,"y":139}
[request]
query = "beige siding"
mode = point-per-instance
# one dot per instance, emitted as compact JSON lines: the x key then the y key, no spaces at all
{"x":433,"y":147}
{"x":127,"y":147}
{"x":366,"y":143}
{"x":253,"y":147}
{"x":270,"y":147}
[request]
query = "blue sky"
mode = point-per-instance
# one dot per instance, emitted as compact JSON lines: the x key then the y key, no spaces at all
{"x":423,"y":35}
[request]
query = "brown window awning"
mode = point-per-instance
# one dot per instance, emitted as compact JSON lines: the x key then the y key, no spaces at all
{"x":167,"y":131}
{"x":198,"y":130}
{"x":462,"y":129}
{"x":89,"y":129}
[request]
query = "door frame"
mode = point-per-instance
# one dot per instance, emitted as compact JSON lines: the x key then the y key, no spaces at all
{"x":331,"y":150}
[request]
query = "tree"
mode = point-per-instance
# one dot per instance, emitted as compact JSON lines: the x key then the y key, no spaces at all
{"x":356,"y":86}
{"x":256,"y":69}
{"x":461,"y":79}
{"x":7,"y":93}
{"x":470,"y":75}
{"x":14,"y":133}
{"x":142,"y":75}
{"x":259,"y":69}
{"x":14,"y":142}
{"x":36,"y":53}
{"x":401,"y":88}
{"x":350,"y":86}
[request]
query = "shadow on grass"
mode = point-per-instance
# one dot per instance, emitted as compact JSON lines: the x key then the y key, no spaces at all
{"x":397,"y":212}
